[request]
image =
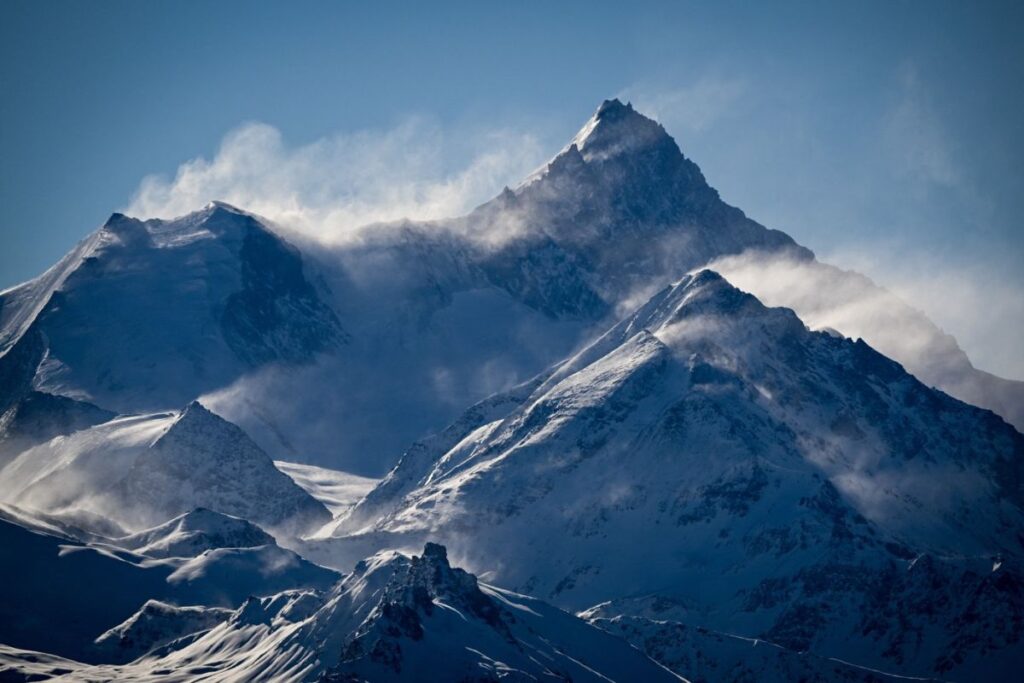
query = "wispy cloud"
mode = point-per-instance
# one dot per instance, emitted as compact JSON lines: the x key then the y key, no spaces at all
{"x":690,"y":108}
{"x":915,"y":136}
{"x":984,"y":312}
{"x":336,"y":184}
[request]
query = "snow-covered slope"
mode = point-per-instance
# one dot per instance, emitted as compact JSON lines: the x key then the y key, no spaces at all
{"x":144,"y":470}
{"x":39,"y":417}
{"x":714,"y":455}
{"x":341,"y":356}
{"x":193,"y":533}
{"x":395,"y":618}
{"x":828,"y":297}
{"x":154,"y":625}
{"x":709,"y":656}
{"x":232,"y":295}
{"x":58,"y":595}
{"x":338,"y":491}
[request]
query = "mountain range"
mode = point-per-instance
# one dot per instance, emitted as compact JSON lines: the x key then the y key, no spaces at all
{"x":564,"y":387}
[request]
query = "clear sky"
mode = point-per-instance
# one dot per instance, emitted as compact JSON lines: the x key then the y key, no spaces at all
{"x":885,"y":136}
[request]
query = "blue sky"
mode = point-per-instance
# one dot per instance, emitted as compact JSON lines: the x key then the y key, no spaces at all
{"x":885,"y":136}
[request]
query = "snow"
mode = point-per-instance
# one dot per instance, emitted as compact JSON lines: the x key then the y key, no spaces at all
{"x":734,"y":493}
{"x":143,"y":470}
{"x":683,"y":456}
{"x":338,"y":491}
{"x":384,"y":622}
{"x":194,"y":533}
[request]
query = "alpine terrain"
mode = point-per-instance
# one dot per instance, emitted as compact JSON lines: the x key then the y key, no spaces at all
{"x":571,"y":435}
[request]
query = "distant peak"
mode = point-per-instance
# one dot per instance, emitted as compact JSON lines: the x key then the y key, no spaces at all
{"x":436,"y":552}
{"x":223,"y":206}
{"x":196,"y":406}
{"x":116,"y":218}
{"x":195,"y":412}
{"x":120,"y":224}
{"x":613,"y":107}
{"x":616,"y":129}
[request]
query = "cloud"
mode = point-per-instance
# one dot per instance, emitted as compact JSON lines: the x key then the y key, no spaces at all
{"x":692,"y":108}
{"x":985,"y":313}
{"x":330,"y":187}
{"x":973,"y":302}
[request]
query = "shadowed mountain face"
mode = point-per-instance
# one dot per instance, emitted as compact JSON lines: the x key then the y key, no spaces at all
{"x":151,"y":314}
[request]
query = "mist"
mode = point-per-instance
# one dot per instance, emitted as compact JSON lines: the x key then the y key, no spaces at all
{"x":329,"y":188}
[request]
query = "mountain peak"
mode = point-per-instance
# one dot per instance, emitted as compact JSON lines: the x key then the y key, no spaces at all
{"x":218,"y":204}
{"x":613,"y":106}
{"x":616,"y":128}
{"x":195,"y":412}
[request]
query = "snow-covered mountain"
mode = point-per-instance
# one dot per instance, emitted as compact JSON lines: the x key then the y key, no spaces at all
{"x":231,"y":293}
{"x":59,"y":595}
{"x":628,"y":435}
{"x":143,"y":470}
{"x":394,"y":618}
{"x":193,"y":533}
{"x":341,"y":356}
{"x":710,"y":459}
{"x":709,"y":656}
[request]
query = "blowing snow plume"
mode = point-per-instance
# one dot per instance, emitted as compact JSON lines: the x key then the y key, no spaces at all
{"x":825,"y":296}
{"x":328,"y":188}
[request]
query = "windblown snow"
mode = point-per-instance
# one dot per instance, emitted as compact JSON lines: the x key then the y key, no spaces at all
{"x":231,"y":453}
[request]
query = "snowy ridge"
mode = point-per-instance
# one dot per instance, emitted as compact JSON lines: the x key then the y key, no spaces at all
{"x":89,"y":589}
{"x":155,"y":624}
{"x":721,"y":452}
{"x":193,"y":533}
{"x":395,"y":618}
{"x":143,"y":470}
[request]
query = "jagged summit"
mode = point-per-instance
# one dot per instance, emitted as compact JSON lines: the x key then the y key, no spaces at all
{"x":707,"y":436}
{"x":623,"y":199}
{"x":617,"y":128}
{"x":217,"y":204}
{"x":195,"y":413}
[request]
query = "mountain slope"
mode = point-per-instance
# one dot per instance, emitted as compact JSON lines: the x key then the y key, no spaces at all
{"x":58,"y":595}
{"x":826,"y":296}
{"x":193,"y":533}
{"x":395,"y":618}
{"x":708,"y":656}
{"x":713,"y":454}
{"x":233,"y":293}
{"x":342,"y":355}
{"x":143,"y":470}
